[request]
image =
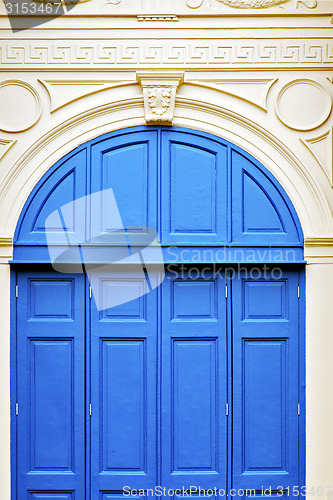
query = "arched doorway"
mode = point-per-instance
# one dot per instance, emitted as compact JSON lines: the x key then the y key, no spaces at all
{"x":196,"y":383}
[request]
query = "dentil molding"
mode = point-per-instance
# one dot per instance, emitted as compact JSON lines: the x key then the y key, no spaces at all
{"x":159,"y":95}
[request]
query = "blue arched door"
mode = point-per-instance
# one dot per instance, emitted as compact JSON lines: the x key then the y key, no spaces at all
{"x":191,"y":381}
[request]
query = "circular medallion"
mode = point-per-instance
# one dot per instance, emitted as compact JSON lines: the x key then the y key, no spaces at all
{"x":303,"y":104}
{"x":20,"y":106}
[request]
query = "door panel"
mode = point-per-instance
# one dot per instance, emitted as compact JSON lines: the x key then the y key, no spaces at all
{"x":265,"y":382}
{"x":260,"y":213}
{"x":128,"y":166}
{"x":193,"y":382}
{"x":123,"y":387}
{"x":194,"y":190}
{"x":50,"y":386}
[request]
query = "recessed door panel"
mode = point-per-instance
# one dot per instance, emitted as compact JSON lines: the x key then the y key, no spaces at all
{"x":124,"y":427}
{"x":194,"y":190}
{"x":123,"y":386}
{"x":128,"y":166}
{"x":50,"y":385}
{"x":194,"y":382}
{"x":51,"y":370}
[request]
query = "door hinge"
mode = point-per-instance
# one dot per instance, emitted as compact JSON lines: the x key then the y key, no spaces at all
{"x":90,"y":410}
{"x":298,"y":409}
{"x":298,"y":291}
{"x":227,"y":410}
{"x":16,"y":291}
{"x":90,"y":292}
{"x":16,"y":409}
{"x":226,"y":291}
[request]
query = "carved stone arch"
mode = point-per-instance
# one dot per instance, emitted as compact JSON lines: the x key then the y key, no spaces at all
{"x":306,"y":195}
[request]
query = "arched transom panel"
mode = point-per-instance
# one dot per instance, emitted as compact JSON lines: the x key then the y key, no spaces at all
{"x":196,"y":190}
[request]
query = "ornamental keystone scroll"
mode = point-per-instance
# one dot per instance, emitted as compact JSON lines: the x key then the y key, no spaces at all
{"x":159,"y":95}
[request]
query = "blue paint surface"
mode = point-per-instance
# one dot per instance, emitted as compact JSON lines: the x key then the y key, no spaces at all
{"x":265,"y":382}
{"x":50,"y":385}
{"x":158,"y":372}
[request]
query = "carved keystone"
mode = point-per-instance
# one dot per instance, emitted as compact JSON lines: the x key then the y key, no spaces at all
{"x":159,"y":94}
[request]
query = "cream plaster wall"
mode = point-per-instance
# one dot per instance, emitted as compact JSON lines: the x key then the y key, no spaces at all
{"x":77,"y":79}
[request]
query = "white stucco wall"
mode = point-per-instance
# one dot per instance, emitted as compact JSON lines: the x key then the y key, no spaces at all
{"x":77,"y":78}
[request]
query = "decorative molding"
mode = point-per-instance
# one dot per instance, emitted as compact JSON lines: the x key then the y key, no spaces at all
{"x":198,"y":8}
{"x":159,"y":94}
{"x":303,"y":104}
{"x":194,"y":4}
{"x":63,"y":92}
{"x":6,"y":249}
{"x":318,"y":242}
{"x":318,"y":250}
{"x":170,"y":53}
{"x":308,"y":4}
{"x":192,"y":8}
{"x":20,"y":106}
{"x":322,"y":149}
{"x":251,"y":4}
{"x":253,"y":90}
{"x":5,"y":145}
{"x":157,"y":17}
{"x":68,"y":2}
{"x":4,"y":242}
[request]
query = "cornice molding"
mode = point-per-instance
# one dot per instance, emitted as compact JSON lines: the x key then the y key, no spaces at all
{"x":5,"y":242}
{"x":6,"y":250}
{"x":318,"y":242}
{"x":318,"y":250}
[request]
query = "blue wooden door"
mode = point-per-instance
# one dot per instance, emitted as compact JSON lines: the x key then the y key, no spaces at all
{"x":138,"y":394}
{"x":158,"y":372}
{"x":265,"y":381}
{"x":50,"y":386}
